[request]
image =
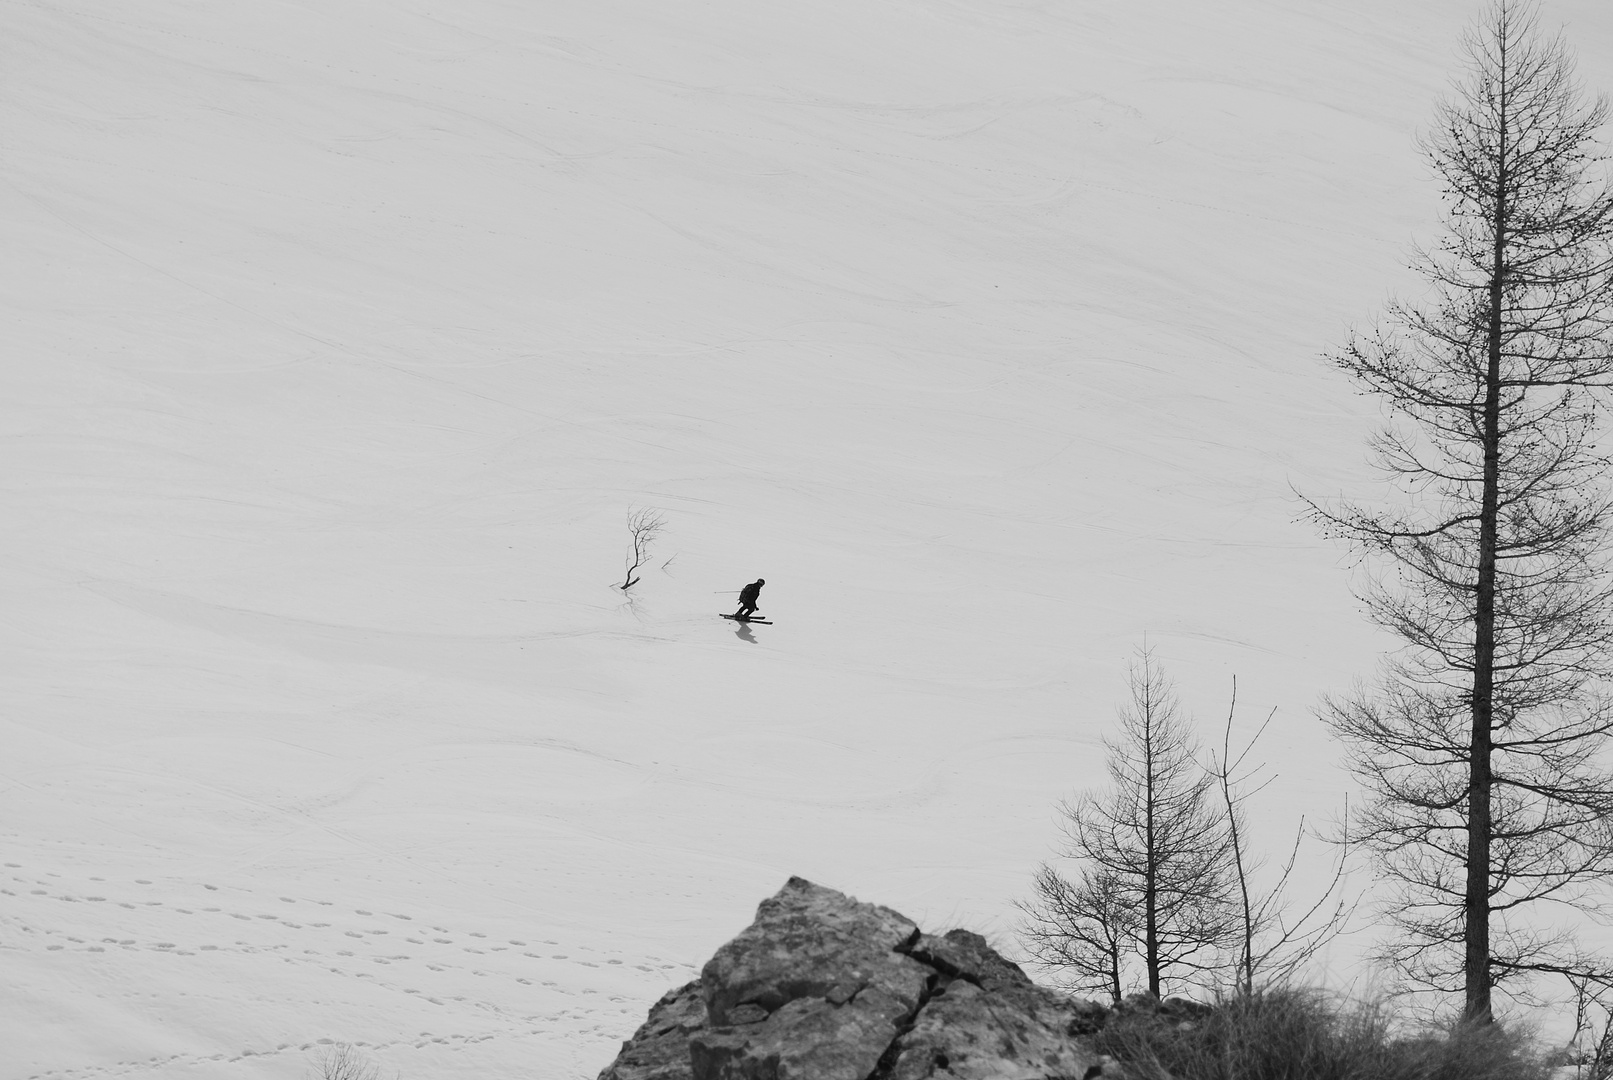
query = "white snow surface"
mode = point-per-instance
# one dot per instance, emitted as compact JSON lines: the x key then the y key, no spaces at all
{"x":340,"y":338}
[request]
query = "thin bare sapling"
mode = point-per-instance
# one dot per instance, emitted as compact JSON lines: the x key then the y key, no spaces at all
{"x":1271,"y":946}
{"x":643,"y":528}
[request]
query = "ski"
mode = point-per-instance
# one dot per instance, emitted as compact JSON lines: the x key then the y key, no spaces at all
{"x":736,"y":618}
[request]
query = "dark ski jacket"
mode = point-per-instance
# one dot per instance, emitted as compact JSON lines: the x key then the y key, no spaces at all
{"x":749,"y":594}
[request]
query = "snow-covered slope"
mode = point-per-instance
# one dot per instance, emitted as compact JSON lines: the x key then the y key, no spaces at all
{"x":341,"y":337}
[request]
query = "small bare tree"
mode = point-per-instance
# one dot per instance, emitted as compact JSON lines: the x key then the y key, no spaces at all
{"x":344,"y":1061}
{"x":1588,"y":1053}
{"x":1271,"y":945}
{"x":1154,"y":855}
{"x":1080,"y":929}
{"x":643,"y":527}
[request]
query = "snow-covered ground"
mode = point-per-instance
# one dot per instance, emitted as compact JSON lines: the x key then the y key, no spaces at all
{"x":340,"y":338}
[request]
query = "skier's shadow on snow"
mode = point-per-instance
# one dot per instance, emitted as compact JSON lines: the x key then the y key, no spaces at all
{"x":745,"y":635}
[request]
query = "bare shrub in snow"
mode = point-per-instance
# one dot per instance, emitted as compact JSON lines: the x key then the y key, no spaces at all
{"x":344,"y":1061}
{"x":643,"y":526}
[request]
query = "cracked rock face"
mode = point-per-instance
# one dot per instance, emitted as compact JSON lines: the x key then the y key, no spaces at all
{"x":822,"y":987}
{"x":659,"y":1050}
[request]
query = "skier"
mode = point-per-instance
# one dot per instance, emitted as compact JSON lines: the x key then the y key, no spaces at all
{"x":747,"y":599}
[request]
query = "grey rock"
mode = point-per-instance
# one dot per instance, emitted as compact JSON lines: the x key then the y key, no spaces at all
{"x":659,"y":1050}
{"x":967,"y":1032}
{"x":809,"y":941}
{"x":806,"y":1039}
{"x":827,"y":970}
{"x":823,"y":987}
{"x":965,"y":955}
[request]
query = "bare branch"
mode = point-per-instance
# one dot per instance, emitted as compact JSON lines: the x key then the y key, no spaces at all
{"x":643,"y":527}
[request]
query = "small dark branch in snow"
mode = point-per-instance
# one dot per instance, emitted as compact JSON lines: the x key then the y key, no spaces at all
{"x":643,"y":526}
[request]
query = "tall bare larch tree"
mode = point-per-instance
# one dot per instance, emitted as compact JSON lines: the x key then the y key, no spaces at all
{"x":1481,"y":746}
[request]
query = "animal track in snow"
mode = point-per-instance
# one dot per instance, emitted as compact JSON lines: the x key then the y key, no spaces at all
{"x":512,"y":989}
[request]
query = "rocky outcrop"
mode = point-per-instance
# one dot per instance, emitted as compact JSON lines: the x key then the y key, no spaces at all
{"x":822,"y":987}
{"x":659,"y":1050}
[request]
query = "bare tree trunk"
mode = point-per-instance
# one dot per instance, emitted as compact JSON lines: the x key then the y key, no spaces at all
{"x":1151,"y":879}
{"x":1476,"y":896}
